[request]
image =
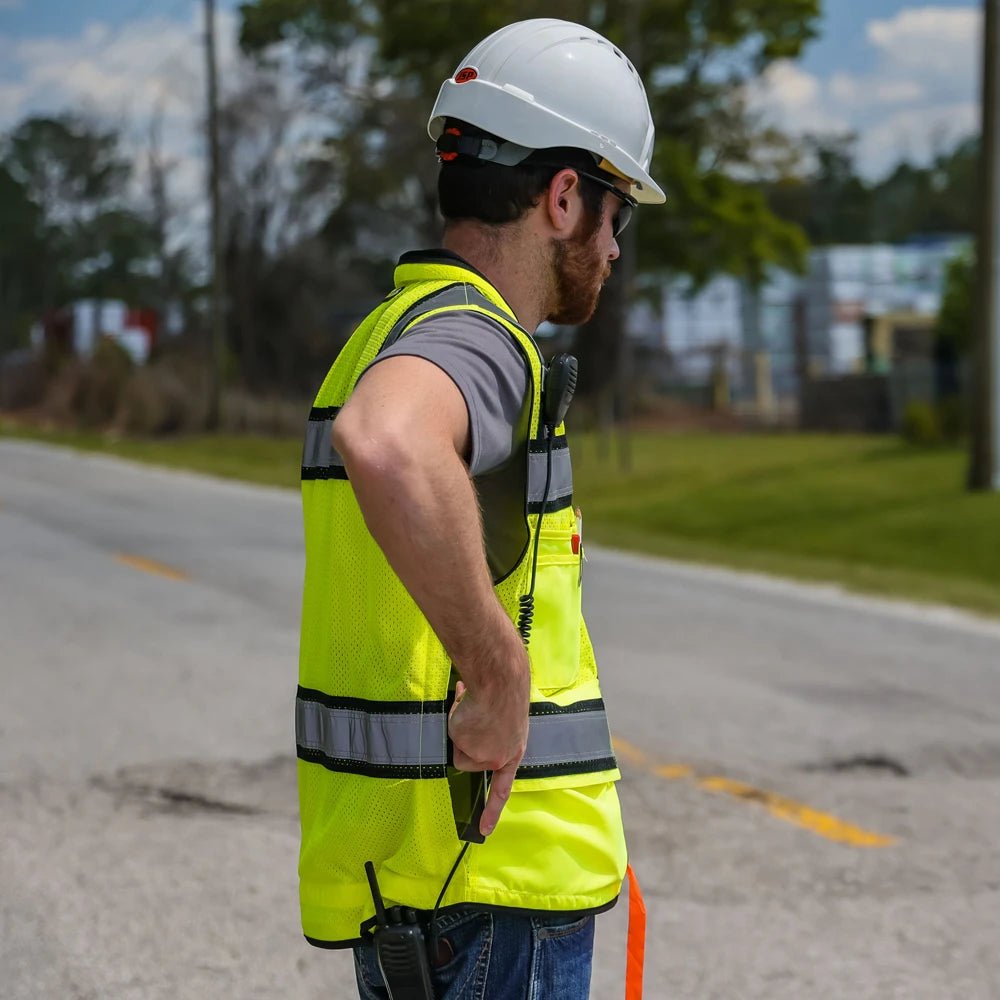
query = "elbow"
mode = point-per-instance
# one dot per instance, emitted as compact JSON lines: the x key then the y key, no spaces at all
{"x":369,"y":455}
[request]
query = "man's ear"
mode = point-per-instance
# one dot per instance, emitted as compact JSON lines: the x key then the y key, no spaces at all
{"x":563,"y":203}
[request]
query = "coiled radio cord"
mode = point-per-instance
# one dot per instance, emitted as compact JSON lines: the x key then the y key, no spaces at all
{"x":526,"y":602}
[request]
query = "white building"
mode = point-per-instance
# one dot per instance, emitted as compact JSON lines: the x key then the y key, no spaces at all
{"x":826,"y":308}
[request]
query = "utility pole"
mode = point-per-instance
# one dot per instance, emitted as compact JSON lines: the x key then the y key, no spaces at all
{"x":628,"y":266}
{"x":984,"y":468}
{"x":217,"y":320}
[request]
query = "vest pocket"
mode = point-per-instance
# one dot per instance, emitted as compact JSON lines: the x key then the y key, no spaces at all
{"x":554,"y":649}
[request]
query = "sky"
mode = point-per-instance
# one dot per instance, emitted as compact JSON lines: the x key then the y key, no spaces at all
{"x":902,"y":75}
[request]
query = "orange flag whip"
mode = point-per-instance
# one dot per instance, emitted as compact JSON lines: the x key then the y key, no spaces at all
{"x":636,"y":939}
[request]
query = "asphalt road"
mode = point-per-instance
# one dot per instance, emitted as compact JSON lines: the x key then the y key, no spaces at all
{"x":811,"y":781}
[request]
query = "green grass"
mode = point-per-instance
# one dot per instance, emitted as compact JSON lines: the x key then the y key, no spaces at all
{"x":271,"y":461}
{"x":871,"y":513}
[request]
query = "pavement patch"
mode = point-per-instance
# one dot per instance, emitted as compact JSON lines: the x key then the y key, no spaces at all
{"x":177,"y":800}
{"x":861,"y":762}
{"x":187,"y":788}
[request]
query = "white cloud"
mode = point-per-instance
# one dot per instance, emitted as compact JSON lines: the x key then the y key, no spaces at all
{"x":920,"y":96}
{"x":12,"y":95}
{"x":916,"y":134}
{"x":848,"y":91}
{"x":117,"y":72}
{"x":790,"y":86}
{"x":11,"y":4}
{"x":795,"y":99}
{"x":938,"y":41}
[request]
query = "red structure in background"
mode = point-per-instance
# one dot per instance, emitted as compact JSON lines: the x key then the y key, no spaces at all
{"x":77,"y":327}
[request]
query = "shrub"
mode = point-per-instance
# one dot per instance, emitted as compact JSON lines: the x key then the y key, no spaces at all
{"x":921,"y":423}
{"x":953,"y":415}
{"x":22,"y":380}
{"x":164,"y":398}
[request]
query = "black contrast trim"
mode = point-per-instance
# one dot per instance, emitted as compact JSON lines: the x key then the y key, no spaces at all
{"x":434,"y":707}
{"x":417,"y":772}
{"x":568,"y":767}
{"x":336,"y":945}
{"x":539,"y":446}
{"x":372,"y":707}
{"x":312,"y":472}
{"x":368,"y":770}
{"x":560,"y":503}
{"x":577,"y":708}
{"x":424,"y":918}
{"x":318,"y":413}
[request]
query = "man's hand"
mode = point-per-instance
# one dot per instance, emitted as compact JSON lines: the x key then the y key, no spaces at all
{"x":489,"y":729}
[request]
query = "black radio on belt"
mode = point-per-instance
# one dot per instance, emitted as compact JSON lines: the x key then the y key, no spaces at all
{"x":400,"y":948}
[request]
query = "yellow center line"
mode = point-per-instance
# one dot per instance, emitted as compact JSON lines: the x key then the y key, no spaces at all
{"x":151,"y":566}
{"x":629,"y":752}
{"x":674,"y":772}
{"x":820,"y":823}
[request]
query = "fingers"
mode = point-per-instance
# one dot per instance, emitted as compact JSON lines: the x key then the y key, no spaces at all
{"x":463,"y":762}
{"x":459,"y":695}
{"x":470,"y":728}
{"x":500,"y":786}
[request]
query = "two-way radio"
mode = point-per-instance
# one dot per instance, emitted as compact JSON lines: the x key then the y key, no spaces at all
{"x":400,"y":948}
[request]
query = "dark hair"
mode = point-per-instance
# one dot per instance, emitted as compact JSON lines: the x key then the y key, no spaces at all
{"x":495,"y":194}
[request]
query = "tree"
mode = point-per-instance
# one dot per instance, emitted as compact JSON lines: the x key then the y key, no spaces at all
{"x":953,"y":333}
{"x":834,"y":204}
{"x":379,"y":65}
{"x":89,"y":241}
{"x":174,"y":283}
{"x":22,"y":273}
{"x":71,"y":167}
{"x":286,"y":264}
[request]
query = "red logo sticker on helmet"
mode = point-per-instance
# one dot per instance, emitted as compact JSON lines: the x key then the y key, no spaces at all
{"x":466,"y":75}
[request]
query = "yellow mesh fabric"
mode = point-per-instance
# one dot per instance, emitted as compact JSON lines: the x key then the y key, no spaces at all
{"x":559,"y":844}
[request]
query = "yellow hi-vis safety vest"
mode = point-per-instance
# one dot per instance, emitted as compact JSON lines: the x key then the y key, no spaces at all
{"x":371,"y":712}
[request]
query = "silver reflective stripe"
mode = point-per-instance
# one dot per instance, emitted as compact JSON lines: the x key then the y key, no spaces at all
{"x":318,"y":452}
{"x":561,"y":484}
{"x":454,"y":295}
{"x":562,"y":739}
{"x":380,"y":738}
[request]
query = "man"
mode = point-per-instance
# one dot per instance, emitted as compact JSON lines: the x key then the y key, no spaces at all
{"x":441,"y":607}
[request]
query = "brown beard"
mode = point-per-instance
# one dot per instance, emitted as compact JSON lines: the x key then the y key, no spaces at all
{"x":580,"y":272}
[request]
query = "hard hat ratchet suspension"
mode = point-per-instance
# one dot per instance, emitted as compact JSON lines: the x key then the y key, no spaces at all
{"x":452,"y":144}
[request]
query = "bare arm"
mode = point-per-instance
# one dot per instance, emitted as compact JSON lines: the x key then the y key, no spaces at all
{"x":403,"y":436}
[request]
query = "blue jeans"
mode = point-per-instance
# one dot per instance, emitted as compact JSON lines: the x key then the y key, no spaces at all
{"x":496,"y":956}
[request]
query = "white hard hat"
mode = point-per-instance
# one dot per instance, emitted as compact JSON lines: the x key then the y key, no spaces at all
{"x":544,"y":83}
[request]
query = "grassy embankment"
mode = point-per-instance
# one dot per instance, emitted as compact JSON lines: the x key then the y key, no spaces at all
{"x":873,"y":514}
